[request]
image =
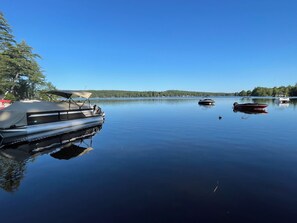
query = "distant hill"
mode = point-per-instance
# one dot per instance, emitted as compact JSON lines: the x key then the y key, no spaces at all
{"x":168,"y":93}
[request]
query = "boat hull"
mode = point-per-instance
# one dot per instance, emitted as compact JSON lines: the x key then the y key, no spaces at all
{"x":249,"y":107}
{"x":206,"y":102}
{"x":36,"y":132}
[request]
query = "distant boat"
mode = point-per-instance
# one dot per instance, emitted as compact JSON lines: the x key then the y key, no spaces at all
{"x":206,"y":101}
{"x":282,"y":100}
{"x":249,"y":107}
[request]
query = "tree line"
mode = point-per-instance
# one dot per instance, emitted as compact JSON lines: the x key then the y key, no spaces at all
{"x":275,"y":91}
{"x":168,"y":93}
{"x":21,"y":76}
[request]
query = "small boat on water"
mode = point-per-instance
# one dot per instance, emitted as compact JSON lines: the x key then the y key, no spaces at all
{"x":26,"y":121}
{"x":282,"y":100}
{"x":249,"y":107}
{"x":206,"y":101}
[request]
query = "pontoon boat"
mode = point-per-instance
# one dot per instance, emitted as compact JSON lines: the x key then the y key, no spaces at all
{"x":33,"y":120}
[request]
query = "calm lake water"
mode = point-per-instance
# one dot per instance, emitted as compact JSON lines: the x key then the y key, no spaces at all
{"x":159,"y":160}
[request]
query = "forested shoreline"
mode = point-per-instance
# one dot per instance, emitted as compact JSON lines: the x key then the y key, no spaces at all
{"x":257,"y":91}
{"x":274,"y":91}
{"x":168,"y":93}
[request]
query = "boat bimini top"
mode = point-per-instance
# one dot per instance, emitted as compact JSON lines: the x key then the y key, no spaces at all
{"x":70,"y":94}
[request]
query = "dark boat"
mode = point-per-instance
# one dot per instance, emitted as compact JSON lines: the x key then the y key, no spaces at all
{"x":249,"y":107}
{"x":206,"y":101}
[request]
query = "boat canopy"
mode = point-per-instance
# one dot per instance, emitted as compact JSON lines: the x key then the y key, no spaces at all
{"x":69,"y":94}
{"x":16,"y":113}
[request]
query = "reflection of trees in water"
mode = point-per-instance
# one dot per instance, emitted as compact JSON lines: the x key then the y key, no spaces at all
{"x":14,"y":158}
{"x":263,"y":100}
{"x":293,"y":102}
{"x":117,"y":101}
{"x":268,"y":100}
{"x":206,"y":107}
{"x":11,"y":173}
{"x":180,"y":100}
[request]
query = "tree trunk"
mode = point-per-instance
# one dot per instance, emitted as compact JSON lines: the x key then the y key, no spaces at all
{"x":13,"y":85}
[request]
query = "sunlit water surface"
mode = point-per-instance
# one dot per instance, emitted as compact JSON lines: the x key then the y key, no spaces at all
{"x":161,"y":160}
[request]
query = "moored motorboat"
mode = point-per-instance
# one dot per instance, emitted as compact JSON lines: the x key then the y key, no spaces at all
{"x":34,"y":120}
{"x":206,"y":101}
{"x":282,"y":100}
{"x":249,"y":107}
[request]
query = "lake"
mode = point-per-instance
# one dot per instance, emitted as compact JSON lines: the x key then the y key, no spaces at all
{"x":159,"y":160}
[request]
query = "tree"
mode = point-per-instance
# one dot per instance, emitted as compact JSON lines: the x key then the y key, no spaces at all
{"x":20,"y":74}
{"x":20,"y":70}
{"x":6,"y":40}
{"x":6,"y":36}
{"x":242,"y":93}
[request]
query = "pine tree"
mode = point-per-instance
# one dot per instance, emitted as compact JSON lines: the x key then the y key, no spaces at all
{"x":20,"y":74}
{"x":6,"y":36}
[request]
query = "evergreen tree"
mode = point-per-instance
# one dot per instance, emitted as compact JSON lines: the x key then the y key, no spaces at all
{"x":20,"y":74}
{"x":20,"y":71}
{"x":6,"y":36}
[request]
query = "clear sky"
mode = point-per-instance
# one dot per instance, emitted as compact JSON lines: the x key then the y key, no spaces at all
{"x":200,"y":45}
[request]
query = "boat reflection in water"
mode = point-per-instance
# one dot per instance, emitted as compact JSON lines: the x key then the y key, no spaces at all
{"x":13,"y":158}
{"x":250,"y":111}
{"x":250,"y":108}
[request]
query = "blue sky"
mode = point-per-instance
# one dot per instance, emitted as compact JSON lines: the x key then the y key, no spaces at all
{"x":200,"y":45}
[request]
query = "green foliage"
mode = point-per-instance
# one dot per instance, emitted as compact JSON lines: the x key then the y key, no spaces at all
{"x":275,"y":91}
{"x":19,"y":71}
{"x":242,"y":93}
{"x":41,"y":93}
{"x":10,"y":96}
{"x":6,"y":36}
{"x":20,"y":74}
{"x":169,"y":93}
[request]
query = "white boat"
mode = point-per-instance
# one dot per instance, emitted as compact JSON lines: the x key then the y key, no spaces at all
{"x":282,"y":100}
{"x":34,"y":120}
